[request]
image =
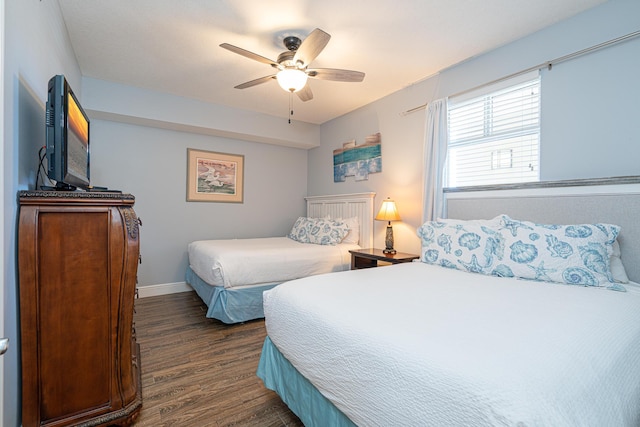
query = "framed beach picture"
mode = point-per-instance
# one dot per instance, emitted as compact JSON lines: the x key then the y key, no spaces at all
{"x":214,"y":177}
{"x":358,"y":160}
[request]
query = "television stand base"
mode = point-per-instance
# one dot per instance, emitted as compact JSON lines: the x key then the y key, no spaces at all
{"x":102,"y":190}
{"x":59,"y":187}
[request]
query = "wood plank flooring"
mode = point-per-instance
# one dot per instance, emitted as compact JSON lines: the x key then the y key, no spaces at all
{"x":201,"y":372}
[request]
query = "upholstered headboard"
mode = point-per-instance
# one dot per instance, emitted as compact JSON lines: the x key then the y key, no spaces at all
{"x":346,"y":206}
{"x":622,"y":209}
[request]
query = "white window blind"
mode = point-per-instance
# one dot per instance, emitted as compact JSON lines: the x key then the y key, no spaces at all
{"x":494,"y":138}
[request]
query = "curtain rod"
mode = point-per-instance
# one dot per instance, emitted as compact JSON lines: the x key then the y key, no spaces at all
{"x":547,"y":64}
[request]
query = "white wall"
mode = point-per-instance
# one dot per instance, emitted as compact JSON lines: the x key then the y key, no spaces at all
{"x":596,"y":98}
{"x":401,"y":174}
{"x":145,"y":161}
{"x":128,"y":156}
{"x":36,"y":48}
{"x":589,"y":128}
{"x":127,"y":104}
{"x":589,"y":104}
{"x":151,"y":164}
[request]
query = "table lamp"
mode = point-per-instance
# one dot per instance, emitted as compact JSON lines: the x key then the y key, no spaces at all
{"x":388,"y":212}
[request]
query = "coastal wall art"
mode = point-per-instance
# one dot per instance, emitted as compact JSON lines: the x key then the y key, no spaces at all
{"x":214,"y":177}
{"x":358,"y":160}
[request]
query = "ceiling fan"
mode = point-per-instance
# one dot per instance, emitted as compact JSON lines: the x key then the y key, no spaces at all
{"x":293,"y":65}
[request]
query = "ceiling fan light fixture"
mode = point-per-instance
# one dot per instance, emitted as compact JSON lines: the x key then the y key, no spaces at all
{"x":291,"y":79}
{"x":293,"y":64}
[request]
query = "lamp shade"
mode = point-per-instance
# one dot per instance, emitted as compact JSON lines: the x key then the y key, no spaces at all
{"x":388,"y":211}
{"x":291,"y":79}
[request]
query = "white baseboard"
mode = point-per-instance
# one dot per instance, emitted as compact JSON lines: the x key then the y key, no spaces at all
{"x":163,"y":289}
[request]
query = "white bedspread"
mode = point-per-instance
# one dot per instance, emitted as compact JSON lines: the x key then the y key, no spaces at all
{"x":241,"y":262}
{"x":415,"y":344}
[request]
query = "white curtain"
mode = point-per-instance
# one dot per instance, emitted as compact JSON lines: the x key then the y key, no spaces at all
{"x":435,"y":155}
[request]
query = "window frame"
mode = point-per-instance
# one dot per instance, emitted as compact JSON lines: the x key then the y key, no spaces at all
{"x":487,"y":130}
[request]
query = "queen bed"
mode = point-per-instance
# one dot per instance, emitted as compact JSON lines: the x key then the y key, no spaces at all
{"x":505,"y":321}
{"x":231,"y":275}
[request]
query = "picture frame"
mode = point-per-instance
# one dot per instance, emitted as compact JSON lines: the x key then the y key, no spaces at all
{"x":214,"y":177}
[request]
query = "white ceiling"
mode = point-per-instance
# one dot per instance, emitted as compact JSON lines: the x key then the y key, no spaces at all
{"x":173,"y":46}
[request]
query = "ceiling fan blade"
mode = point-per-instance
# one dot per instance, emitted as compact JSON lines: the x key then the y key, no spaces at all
{"x":311,"y":47}
{"x":250,"y":55}
{"x":335,"y":74}
{"x":305,"y":93}
{"x":255,"y":82}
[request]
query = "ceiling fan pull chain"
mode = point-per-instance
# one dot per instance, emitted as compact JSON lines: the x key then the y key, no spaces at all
{"x":290,"y":106}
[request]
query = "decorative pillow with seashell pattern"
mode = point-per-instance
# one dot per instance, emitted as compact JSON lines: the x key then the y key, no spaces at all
{"x":572,"y":254}
{"x":318,"y":231}
{"x":576,"y":254}
{"x":476,"y":246}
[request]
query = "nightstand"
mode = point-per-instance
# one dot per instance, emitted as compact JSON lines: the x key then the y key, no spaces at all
{"x":368,"y":258}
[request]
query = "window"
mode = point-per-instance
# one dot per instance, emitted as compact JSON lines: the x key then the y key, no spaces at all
{"x":494,"y":138}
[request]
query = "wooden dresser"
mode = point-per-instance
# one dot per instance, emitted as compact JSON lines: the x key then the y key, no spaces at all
{"x":78,"y":259}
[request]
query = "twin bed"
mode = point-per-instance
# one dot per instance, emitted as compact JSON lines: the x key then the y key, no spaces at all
{"x":479,"y":332}
{"x":230,"y":276}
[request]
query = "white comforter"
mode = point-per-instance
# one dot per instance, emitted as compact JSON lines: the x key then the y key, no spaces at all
{"x":415,"y":344}
{"x":241,"y":262}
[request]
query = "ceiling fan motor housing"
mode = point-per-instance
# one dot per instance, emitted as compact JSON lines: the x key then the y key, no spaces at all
{"x":286,"y":58}
{"x":292,"y":42}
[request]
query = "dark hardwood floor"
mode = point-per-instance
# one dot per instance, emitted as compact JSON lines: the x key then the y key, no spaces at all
{"x":201,"y":372}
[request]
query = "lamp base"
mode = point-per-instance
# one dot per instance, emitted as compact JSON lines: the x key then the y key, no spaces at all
{"x":388,"y":241}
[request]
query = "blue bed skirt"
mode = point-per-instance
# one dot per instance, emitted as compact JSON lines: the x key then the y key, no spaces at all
{"x":279,"y":375}
{"x":229,"y":305}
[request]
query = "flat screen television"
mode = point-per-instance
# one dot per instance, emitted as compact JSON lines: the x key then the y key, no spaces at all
{"x":67,"y":137}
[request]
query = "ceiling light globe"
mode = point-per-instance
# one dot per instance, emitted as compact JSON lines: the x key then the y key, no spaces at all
{"x":291,"y":80}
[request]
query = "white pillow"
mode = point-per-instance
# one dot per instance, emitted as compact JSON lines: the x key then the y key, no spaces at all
{"x":353,"y":236}
{"x":617,"y":268}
